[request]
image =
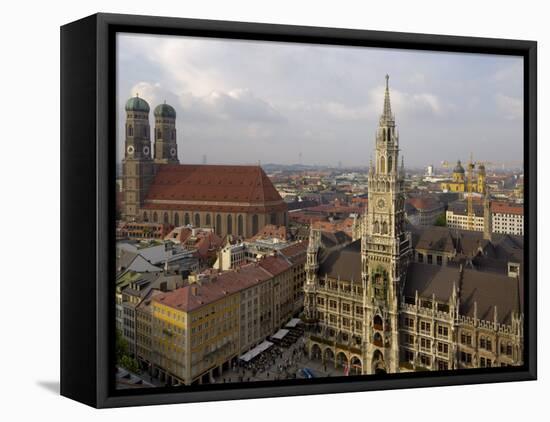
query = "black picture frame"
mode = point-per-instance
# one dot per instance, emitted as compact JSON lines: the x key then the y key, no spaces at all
{"x":88,"y":197}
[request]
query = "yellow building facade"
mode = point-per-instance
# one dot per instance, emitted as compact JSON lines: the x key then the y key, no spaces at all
{"x":191,"y":344}
{"x":459,"y":182}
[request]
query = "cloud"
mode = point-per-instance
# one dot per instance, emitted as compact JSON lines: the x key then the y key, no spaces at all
{"x":243,"y":101}
{"x":511,"y":107}
{"x":511,"y":72}
{"x":237,"y":104}
{"x":406,"y":103}
{"x":153,"y":93}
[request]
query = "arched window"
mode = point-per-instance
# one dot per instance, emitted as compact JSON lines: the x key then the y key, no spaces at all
{"x":130,"y":130}
{"x":218,"y":224}
{"x":186,"y":219}
{"x":382,"y":164}
{"x":387,"y":186}
{"x":377,"y":320}
{"x":229,"y":224}
{"x":208,"y":221}
{"x":176,"y":219}
{"x":165,"y":218}
{"x":388,"y":134}
{"x":197,"y":220}
{"x":390,"y":163}
{"x":384,"y":228}
{"x":376,"y":227}
{"x":240,"y":225}
{"x":254,"y":224}
{"x":155,"y":217}
{"x":145,"y":218}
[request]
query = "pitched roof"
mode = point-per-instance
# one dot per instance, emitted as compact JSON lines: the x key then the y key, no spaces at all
{"x":486,"y":289}
{"x":467,"y":243}
{"x":332,"y":239}
{"x":196,"y":295}
{"x":433,"y":238}
{"x":461,"y":207}
{"x":506,"y":208}
{"x":274,"y":265}
{"x":296,"y":252}
{"x":343,"y":263}
{"x":424,"y":203}
{"x":271,"y":230}
{"x":220,"y":183}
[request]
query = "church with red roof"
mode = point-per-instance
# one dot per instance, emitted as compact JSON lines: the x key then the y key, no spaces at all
{"x":231,"y":199}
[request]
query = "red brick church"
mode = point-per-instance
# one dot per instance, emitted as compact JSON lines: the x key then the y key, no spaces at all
{"x":231,"y":199}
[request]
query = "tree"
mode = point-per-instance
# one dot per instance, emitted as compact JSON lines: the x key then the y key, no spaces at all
{"x":441,"y":220}
{"x":130,"y":364}
{"x":121,"y":346}
{"x":123,"y":357}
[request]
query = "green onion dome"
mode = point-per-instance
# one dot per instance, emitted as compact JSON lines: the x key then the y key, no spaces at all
{"x":165,"y":110}
{"x":137,"y":104}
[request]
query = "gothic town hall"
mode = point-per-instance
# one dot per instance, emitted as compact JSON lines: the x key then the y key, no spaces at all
{"x":403,"y":299}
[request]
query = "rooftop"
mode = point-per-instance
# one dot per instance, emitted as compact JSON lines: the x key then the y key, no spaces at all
{"x":234,"y":185}
{"x":506,"y":208}
{"x":193,"y":296}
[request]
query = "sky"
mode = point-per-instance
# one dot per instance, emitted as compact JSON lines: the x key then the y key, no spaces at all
{"x":243,"y":102}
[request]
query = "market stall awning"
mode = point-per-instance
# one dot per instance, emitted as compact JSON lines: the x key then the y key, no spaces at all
{"x":251,"y":354}
{"x":279,"y":335}
{"x":293,"y":322}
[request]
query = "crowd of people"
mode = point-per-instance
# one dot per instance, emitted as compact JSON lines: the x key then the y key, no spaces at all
{"x":280,"y":361}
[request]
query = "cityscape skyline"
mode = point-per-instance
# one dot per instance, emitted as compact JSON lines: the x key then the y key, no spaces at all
{"x":451,"y":105}
{"x":228,"y":274}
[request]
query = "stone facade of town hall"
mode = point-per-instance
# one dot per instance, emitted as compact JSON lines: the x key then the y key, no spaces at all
{"x":420,"y":298}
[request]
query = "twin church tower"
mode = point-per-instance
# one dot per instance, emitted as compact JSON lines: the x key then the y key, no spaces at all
{"x":236,"y":200}
{"x":138,"y":163}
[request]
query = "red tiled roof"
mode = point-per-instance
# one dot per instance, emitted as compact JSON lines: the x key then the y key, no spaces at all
{"x":196,"y":295}
{"x":296,"y":252}
{"x":331,"y":208}
{"x":219,"y":183}
{"x":271,"y":230}
{"x":295,"y":249}
{"x":206,"y":243}
{"x":274,"y":265}
{"x":423,"y":203}
{"x":506,"y":208}
{"x":216,"y":208}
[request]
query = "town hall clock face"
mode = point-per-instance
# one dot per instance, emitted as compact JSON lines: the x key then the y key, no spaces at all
{"x":173,"y":152}
{"x":145,"y":150}
{"x":381,"y":203}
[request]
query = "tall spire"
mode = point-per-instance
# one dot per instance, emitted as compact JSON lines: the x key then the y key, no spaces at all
{"x":387,"y":114}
